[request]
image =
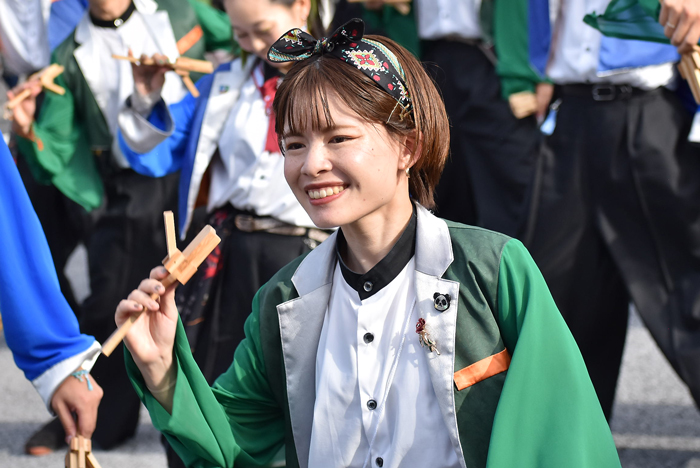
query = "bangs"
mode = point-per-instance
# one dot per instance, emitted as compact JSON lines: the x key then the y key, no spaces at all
{"x":308,"y":103}
{"x":303,"y":96}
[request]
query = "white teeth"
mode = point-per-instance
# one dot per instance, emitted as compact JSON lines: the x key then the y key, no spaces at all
{"x":325,"y":192}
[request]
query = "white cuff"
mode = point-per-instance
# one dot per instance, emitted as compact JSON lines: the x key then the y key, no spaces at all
{"x":141,"y":135}
{"x":47,"y":383}
{"x":143,"y":105}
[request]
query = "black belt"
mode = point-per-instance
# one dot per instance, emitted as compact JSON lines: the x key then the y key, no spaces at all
{"x":601,"y":91}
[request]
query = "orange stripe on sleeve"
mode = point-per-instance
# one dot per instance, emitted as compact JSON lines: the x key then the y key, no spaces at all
{"x":481,"y":370}
{"x":188,"y":40}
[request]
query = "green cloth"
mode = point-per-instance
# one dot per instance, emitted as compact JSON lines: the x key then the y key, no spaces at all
{"x":511,"y":41}
{"x":630,"y":19}
{"x":218,"y":34}
{"x":547,"y":416}
{"x":394,"y":25}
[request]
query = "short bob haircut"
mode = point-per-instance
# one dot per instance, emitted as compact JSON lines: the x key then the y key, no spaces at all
{"x":302,"y":97}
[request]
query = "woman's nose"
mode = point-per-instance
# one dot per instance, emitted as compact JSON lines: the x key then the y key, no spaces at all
{"x":316,"y":161}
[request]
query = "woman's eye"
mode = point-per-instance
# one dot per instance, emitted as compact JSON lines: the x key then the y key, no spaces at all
{"x":340,"y":139}
{"x":292,"y":146}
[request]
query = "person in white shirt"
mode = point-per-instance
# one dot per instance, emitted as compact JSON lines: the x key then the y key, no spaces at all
{"x":618,"y":217}
{"x":493,"y":154}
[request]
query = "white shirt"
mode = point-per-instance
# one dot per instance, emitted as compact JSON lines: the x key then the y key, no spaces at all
{"x":441,"y":19}
{"x":576,"y":48}
{"x":246,"y":175}
{"x":116,"y":78}
{"x":411,"y":431}
{"x":24,"y":43}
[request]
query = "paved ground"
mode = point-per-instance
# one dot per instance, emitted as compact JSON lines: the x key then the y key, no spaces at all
{"x":655,"y":423}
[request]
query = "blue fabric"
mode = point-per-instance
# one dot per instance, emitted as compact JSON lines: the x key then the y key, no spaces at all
{"x":40,"y":328}
{"x":540,"y":34}
{"x":65,"y":16}
{"x":179,"y":150}
{"x":623,"y":53}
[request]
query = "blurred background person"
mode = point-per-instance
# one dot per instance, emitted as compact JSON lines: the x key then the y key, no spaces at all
{"x":68,"y":142}
{"x":40,"y":329}
{"x":619,"y":217}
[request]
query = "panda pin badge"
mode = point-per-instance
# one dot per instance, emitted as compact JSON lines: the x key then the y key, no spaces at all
{"x":442,"y":302}
{"x":424,"y":337}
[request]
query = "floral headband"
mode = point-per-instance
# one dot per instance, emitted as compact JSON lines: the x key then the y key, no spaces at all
{"x":370,"y":57}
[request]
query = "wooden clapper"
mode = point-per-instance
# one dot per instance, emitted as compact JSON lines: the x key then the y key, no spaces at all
{"x":80,"y":454}
{"x":182,"y":66}
{"x":45,"y":77}
{"x":689,"y":68}
{"x":180,"y":265}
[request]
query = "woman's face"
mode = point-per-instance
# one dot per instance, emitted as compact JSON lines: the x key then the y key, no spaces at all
{"x":353,"y":171}
{"x":257,"y":24}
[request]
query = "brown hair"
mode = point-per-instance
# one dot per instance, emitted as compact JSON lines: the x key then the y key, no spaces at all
{"x":302,"y":96}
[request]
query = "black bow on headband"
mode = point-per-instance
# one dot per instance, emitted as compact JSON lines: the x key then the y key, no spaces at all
{"x":370,"y":57}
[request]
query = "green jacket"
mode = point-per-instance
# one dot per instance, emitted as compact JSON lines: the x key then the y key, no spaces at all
{"x":542,"y":412}
{"x":71,"y":130}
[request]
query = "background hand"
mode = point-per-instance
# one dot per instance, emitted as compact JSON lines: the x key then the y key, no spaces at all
{"x":74,"y":397}
{"x":149,"y":78}
{"x":681,"y":22}
{"x":23,"y":113}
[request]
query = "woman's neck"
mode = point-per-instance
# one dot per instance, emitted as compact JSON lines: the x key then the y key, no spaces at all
{"x":108,"y":9}
{"x":370,"y":239}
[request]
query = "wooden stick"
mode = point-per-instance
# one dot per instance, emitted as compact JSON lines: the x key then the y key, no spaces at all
{"x":14,"y":102}
{"x":181,"y":63}
{"x":180,"y":265}
{"x":170,"y":238}
{"x":45,"y":77}
{"x":523,"y":104}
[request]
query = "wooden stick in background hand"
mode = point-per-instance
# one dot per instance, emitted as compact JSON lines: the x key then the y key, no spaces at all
{"x":45,"y":77}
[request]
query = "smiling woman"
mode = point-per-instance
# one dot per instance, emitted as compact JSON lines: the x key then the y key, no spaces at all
{"x":330,"y":367}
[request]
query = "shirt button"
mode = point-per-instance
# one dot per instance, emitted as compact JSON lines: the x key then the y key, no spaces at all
{"x":372,"y":404}
{"x":368,"y":338}
{"x":367,"y":286}
{"x":379,"y":461}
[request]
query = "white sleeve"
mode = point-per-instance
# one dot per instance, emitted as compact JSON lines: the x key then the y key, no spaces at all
{"x":23,"y":36}
{"x":47,"y":383}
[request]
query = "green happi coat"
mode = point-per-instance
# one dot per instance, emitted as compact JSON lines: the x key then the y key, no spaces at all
{"x":70,"y":131}
{"x":541,"y":412}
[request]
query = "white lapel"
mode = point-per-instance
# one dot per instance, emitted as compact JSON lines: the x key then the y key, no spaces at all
{"x":301,"y":321}
{"x":224,"y":92}
{"x":433,"y":257}
{"x":87,"y":54}
{"x":159,"y":27}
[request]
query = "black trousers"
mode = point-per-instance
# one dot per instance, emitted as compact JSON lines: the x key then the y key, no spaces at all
{"x":619,"y":218}
{"x":247,"y":260}
{"x":65,"y":223}
{"x":488,"y":177}
{"x":128,"y":240}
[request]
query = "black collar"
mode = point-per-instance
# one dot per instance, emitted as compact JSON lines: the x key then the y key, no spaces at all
{"x":116,"y":22}
{"x":386,"y":270}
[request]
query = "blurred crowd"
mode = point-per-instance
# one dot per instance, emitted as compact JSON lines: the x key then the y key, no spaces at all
{"x":580,"y":138}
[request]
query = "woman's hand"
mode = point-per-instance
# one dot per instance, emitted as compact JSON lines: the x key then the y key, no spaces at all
{"x":149,"y":79}
{"x":23,"y":113}
{"x":151,"y":338}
